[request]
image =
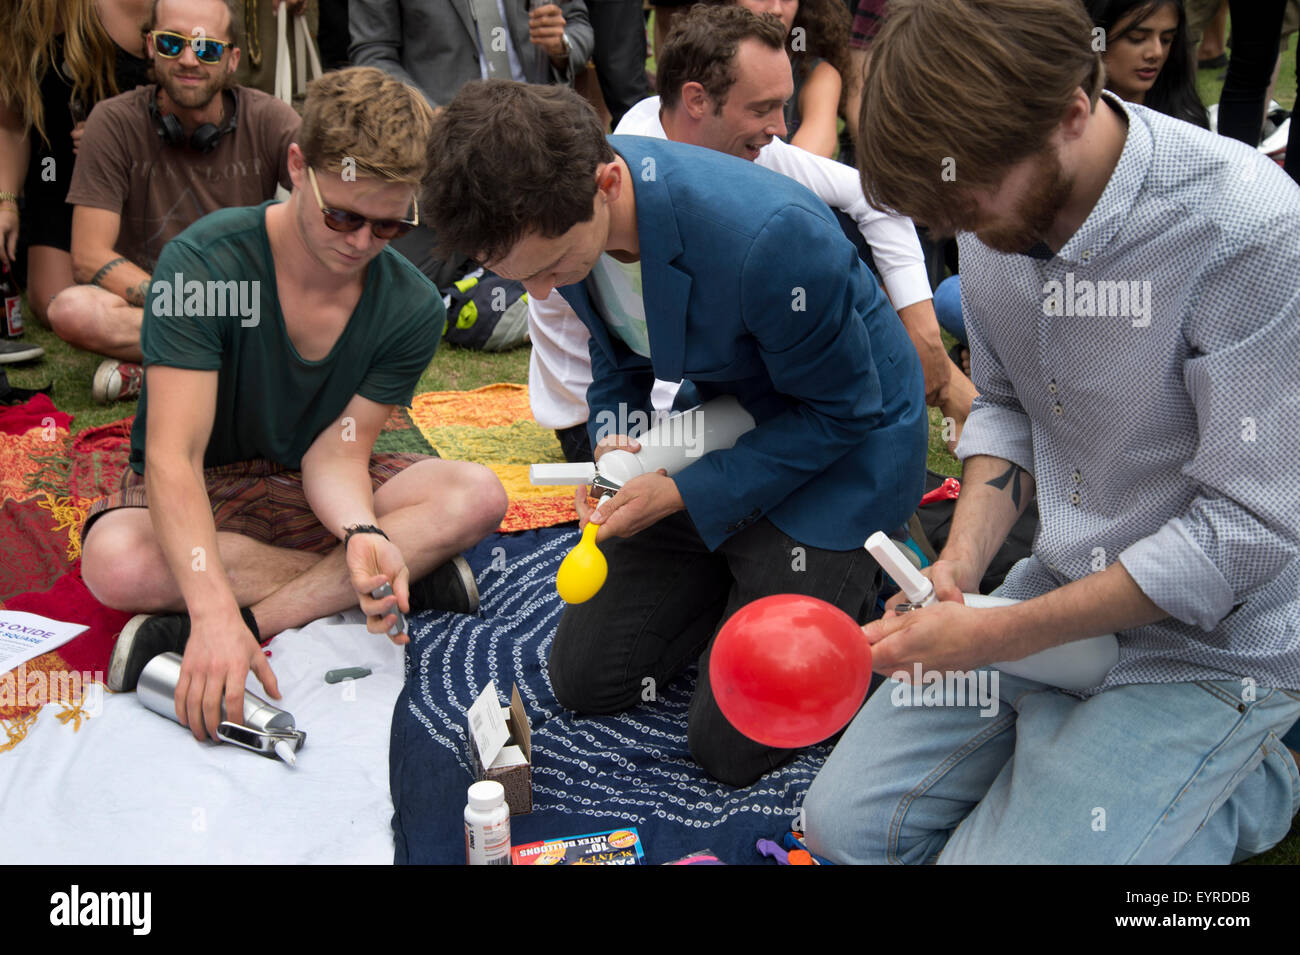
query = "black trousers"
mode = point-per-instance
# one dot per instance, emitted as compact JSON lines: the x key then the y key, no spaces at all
{"x":619,"y":55}
{"x":662,"y":605}
{"x":1256,"y":32}
{"x":575,"y":442}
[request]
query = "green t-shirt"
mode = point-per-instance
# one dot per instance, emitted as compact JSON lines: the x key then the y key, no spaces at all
{"x":213,"y":306}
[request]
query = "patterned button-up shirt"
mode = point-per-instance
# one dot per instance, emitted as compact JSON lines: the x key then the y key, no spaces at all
{"x":1148,"y":376}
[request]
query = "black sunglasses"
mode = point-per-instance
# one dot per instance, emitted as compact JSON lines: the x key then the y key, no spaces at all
{"x":171,"y":45}
{"x":340,"y":220}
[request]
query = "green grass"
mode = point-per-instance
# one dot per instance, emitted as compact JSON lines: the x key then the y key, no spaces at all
{"x":461,"y":369}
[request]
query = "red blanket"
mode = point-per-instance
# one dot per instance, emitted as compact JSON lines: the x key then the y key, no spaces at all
{"x":48,"y":479}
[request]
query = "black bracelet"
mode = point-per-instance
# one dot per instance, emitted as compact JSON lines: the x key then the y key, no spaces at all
{"x":361,"y":529}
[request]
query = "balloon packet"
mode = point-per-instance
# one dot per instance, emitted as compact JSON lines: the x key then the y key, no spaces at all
{"x":611,"y":847}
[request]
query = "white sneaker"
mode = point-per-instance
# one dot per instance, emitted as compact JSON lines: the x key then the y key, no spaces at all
{"x":116,"y":380}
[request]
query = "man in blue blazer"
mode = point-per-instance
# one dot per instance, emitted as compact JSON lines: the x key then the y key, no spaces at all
{"x":685,"y":263}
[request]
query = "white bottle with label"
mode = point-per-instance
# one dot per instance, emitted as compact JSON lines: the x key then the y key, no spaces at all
{"x":487,"y":825}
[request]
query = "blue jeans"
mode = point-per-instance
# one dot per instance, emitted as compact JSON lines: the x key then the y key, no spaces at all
{"x":947,"y":308}
{"x":1149,"y":773}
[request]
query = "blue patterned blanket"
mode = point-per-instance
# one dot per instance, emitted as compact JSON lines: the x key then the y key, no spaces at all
{"x":589,"y":773}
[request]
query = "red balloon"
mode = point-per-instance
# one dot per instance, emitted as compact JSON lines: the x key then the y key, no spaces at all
{"x":790,"y":670}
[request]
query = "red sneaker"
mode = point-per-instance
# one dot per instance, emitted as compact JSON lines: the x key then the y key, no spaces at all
{"x":116,"y":380}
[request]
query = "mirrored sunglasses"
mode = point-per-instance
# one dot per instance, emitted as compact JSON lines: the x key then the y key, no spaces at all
{"x":171,"y":45}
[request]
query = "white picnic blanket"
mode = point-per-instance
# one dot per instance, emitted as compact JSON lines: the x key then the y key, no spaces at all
{"x":129,"y":786}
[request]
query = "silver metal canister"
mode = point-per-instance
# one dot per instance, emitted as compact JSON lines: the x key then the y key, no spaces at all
{"x":264,"y":728}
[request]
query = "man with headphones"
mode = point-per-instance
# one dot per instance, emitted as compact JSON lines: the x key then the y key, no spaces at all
{"x":150,"y":163}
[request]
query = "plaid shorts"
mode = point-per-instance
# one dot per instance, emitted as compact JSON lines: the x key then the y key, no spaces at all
{"x":258,"y":499}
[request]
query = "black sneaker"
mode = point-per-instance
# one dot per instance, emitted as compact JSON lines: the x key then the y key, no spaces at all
{"x":12,"y":350}
{"x":147,"y":635}
{"x":449,"y":587}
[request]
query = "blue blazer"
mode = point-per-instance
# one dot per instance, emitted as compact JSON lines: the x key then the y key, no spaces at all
{"x":751,"y":289}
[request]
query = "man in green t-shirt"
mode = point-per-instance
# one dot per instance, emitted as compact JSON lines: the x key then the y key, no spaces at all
{"x":276,"y":341}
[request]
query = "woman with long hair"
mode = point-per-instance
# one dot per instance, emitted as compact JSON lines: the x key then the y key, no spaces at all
{"x":817,"y":39}
{"x":1148,"y":57}
{"x":57,"y":59}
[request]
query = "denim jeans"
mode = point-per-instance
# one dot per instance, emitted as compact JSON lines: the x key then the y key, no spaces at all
{"x":664,"y":601}
{"x":1148,"y":773}
{"x":947,"y":308}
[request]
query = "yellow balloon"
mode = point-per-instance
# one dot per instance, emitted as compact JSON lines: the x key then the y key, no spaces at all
{"x":582,"y":572}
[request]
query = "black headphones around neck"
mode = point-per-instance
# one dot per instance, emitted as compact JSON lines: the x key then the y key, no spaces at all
{"x":202,"y":140}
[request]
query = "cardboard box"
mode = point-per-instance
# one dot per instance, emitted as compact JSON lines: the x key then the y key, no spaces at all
{"x":503,"y":735}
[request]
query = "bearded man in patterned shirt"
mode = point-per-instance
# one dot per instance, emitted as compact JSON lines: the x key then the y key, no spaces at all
{"x":1134,"y":325}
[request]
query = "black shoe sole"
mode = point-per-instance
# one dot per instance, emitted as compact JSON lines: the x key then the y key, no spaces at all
{"x":134,"y":649}
{"x":467,"y":579}
{"x":464,"y":597}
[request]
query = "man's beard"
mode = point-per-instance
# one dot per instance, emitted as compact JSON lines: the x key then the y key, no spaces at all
{"x":1035,"y":212}
{"x":192,"y":97}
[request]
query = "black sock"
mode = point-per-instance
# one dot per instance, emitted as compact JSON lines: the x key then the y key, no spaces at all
{"x":247,"y":614}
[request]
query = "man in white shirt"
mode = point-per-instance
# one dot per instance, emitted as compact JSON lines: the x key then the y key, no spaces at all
{"x":737,"y":109}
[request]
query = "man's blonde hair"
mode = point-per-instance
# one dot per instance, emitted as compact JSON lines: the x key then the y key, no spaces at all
{"x":362,"y":118}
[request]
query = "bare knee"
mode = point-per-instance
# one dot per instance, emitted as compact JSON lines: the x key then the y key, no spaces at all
{"x":95,"y":320}
{"x":466,"y":498}
{"x":122,"y":565}
{"x":475,"y":497}
{"x":488,"y":498}
{"x":72,"y":313}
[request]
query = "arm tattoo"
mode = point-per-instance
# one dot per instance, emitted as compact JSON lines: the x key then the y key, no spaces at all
{"x":136,"y":293}
{"x":1010,"y":476}
{"x":105,"y":269}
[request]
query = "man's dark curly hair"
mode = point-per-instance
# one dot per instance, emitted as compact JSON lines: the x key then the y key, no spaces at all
{"x":509,"y":160}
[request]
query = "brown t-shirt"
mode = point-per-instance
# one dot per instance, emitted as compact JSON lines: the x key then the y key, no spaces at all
{"x":124,"y":166}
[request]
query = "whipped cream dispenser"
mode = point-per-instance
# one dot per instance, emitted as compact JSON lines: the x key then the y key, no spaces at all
{"x":264,"y":729}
